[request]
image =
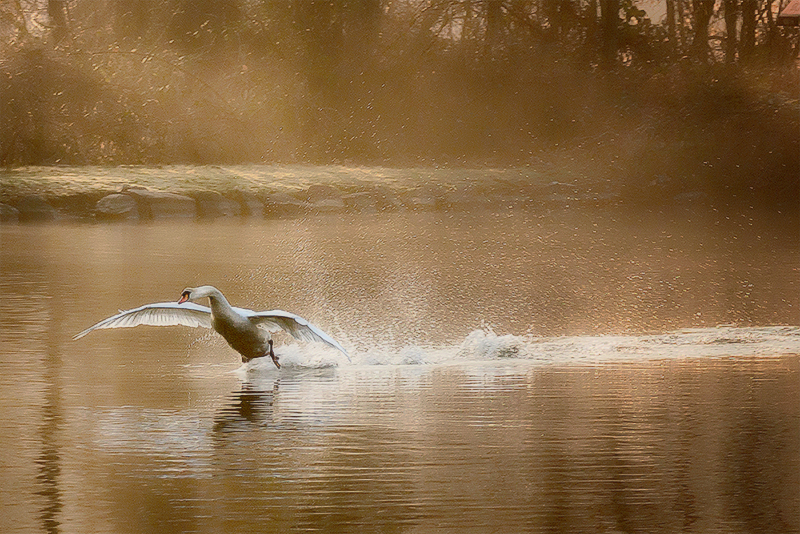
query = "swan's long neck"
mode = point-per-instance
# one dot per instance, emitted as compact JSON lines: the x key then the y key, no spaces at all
{"x":219,"y":304}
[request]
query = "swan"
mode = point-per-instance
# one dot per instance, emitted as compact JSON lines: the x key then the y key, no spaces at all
{"x":245,"y":330}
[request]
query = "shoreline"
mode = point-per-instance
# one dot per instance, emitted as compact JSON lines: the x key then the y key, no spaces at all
{"x":34,"y":194}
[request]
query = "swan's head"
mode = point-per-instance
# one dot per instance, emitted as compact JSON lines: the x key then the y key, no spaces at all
{"x":186,"y":295}
{"x":194,"y":293}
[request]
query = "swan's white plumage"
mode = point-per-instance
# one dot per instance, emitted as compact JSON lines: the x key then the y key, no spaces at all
{"x":158,"y":314}
{"x":237,"y":325}
{"x":298,"y":327}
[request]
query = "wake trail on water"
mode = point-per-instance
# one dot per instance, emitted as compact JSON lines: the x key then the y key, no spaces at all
{"x":484,"y":345}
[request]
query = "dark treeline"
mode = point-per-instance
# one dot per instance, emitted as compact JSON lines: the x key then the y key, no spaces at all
{"x":704,"y":89}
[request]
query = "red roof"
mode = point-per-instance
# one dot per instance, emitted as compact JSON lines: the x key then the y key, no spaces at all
{"x":790,"y":15}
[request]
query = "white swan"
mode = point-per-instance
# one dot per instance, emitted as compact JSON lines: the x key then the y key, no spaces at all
{"x":244,"y":330}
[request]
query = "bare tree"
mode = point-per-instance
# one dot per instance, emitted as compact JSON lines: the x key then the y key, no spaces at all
{"x":672,"y":31}
{"x":57,"y":11}
{"x":748,"y":35}
{"x":702,"y":10}
{"x":609,"y":13}
{"x":731,"y":18}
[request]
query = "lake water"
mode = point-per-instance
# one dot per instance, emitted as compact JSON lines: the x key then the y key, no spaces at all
{"x":511,"y":371}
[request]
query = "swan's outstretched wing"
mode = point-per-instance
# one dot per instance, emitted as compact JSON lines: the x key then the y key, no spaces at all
{"x":298,"y":327}
{"x":159,"y":314}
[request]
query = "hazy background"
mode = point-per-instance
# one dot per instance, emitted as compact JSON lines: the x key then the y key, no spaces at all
{"x":519,"y":365}
{"x":698,"y":94}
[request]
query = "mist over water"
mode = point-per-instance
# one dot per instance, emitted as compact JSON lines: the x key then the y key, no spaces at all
{"x":513,"y":370}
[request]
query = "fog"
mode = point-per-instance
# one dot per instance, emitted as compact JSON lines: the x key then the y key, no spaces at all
{"x":558,"y":238}
{"x":635,"y":92}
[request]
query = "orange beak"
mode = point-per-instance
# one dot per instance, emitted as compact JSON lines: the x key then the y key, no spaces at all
{"x":183,"y":299}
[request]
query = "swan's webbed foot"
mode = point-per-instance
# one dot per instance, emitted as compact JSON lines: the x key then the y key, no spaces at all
{"x":272,"y":355}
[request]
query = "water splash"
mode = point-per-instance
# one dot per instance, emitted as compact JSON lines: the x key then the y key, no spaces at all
{"x":484,"y":345}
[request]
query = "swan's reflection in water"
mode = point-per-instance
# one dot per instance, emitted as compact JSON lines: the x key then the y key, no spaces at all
{"x":133,"y":432}
{"x":249,"y":407}
{"x":296,"y":446}
{"x":508,"y":448}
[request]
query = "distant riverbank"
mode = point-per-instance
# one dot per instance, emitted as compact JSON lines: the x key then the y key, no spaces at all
{"x":181,"y":191}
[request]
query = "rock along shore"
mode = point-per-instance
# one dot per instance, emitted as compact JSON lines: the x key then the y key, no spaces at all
{"x":157,"y":193}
